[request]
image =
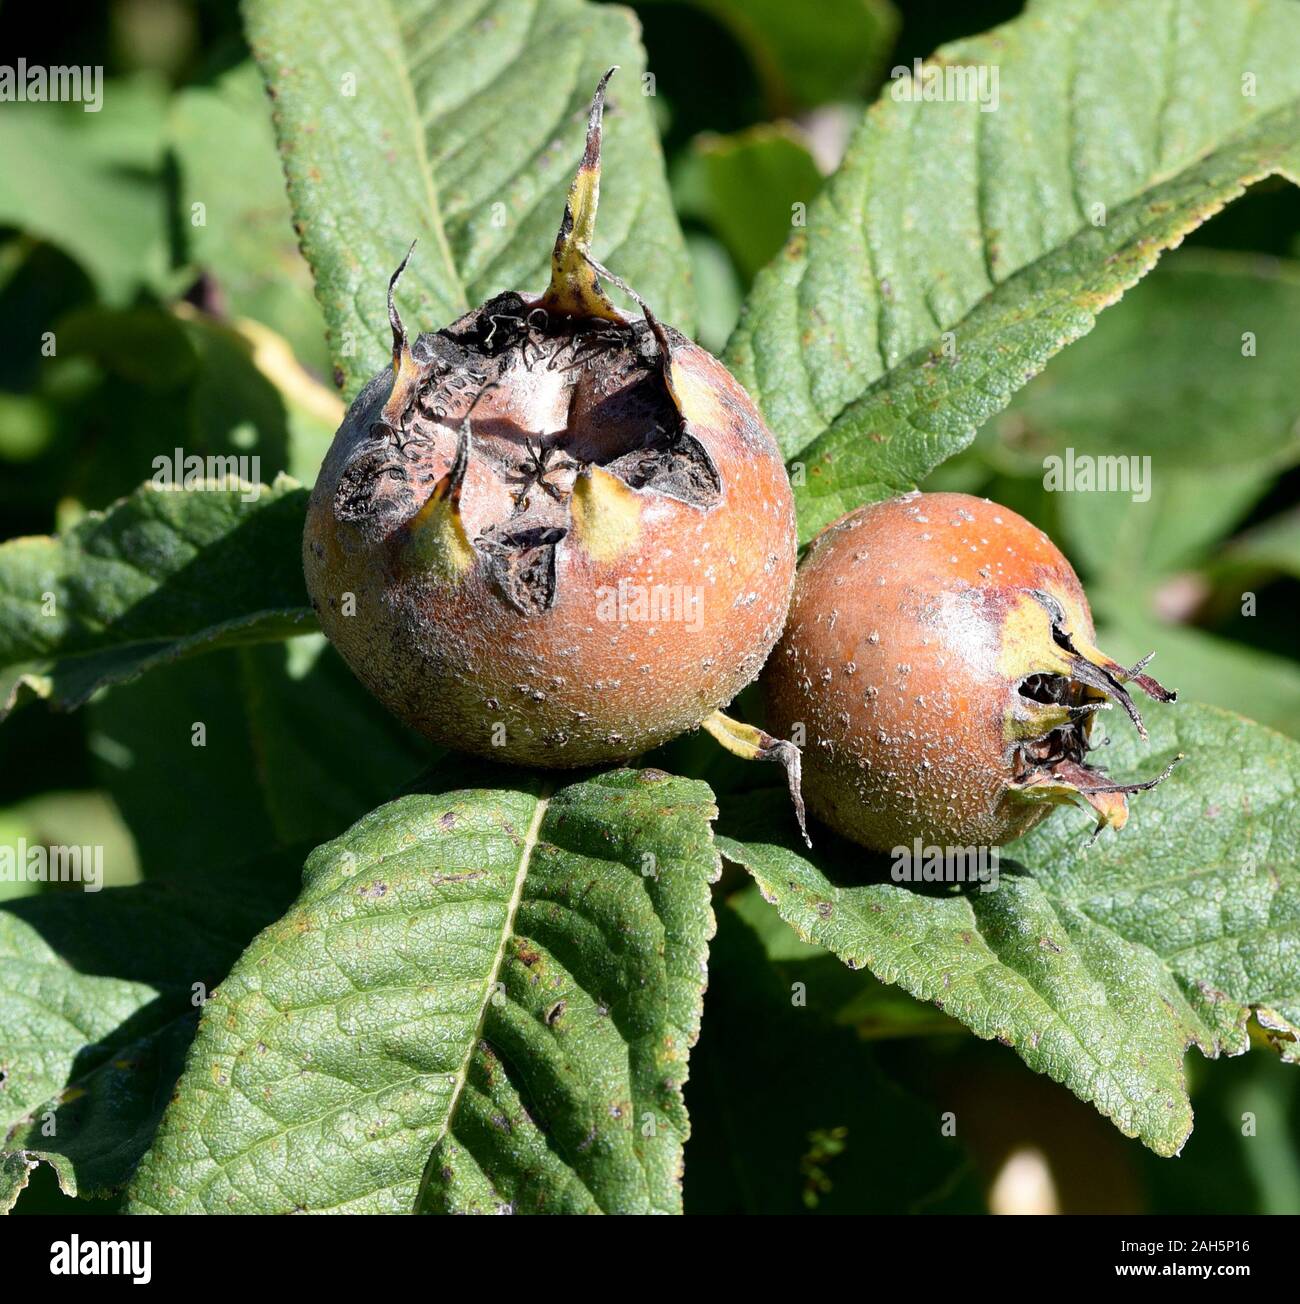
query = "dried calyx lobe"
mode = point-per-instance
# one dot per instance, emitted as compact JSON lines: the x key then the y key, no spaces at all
{"x":546,"y":396}
{"x":1059,"y":756}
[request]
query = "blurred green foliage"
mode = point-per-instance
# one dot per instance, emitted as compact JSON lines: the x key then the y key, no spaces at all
{"x":100,"y":244}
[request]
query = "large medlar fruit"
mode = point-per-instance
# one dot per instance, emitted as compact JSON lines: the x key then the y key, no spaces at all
{"x":939,"y":656}
{"x":554,"y":534}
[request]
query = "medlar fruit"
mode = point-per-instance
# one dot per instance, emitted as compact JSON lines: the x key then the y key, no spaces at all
{"x":939,"y":654}
{"x":554,"y":534}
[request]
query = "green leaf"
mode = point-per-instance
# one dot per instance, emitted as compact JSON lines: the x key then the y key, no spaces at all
{"x":236,"y":407}
{"x":746,"y":188}
{"x":718,"y":288}
{"x":483,"y":999}
{"x":946,"y":219}
{"x":1099,"y":965}
{"x":1273,"y":546}
{"x":212,"y":387}
{"x":91,"y":183}
{"x":876,"y":1011}
{"x":143,"y":344}
{"x":283,"y":727}
{"x":243,"y":234}
{"x":1169,"y":375}
{"x":161,"y":574}
{"x":1228,"y":1165}
{"x":99,"y":1010}
{"x":806,"y":54}
{"x":459,"y":124}
{"x":15,"y":1173}
{"x":76,"y":817}
{"x":38,"y":283}
{"x":166,"y":382}
{"x":791,"y":1114}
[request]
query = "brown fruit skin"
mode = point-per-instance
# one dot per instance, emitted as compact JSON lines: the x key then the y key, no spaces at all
{"x":454,"y":660}
{"x":895,"y":660}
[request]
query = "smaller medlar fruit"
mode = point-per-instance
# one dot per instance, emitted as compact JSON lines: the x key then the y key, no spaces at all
{"x":939,"y":655}
{"x":553,"y":534}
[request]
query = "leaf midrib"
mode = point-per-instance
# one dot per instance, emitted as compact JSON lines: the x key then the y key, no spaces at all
{"x":1235,"y":140}
{"x":1045,"y":304}
{"x":531,"y":838}
{"x":416,"y":123}
{"x":248,"y":620}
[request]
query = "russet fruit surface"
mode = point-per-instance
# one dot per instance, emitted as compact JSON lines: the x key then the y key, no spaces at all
{"x":552,"y":534}
{"x":939,"y":656}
